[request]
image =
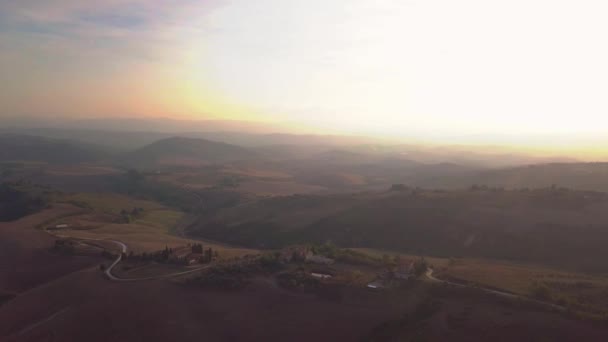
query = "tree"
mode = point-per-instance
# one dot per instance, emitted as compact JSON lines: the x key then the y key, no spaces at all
{"x":420,"y":267}
{"x":209,"y":255}
{"x":164,"y":255}
{"x":386,"y":260}
{"x":134,"y":176}
{"x":133,"y":180}
{"x":541,"y":291}
{"x":399,"y":187}
{"x":452,"y":261}
{"x":197,"y":248}
{"x":354,"y":277}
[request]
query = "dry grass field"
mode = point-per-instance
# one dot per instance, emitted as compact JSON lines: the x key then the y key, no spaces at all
{"x":579,"y":291}
{"x":162,"y":310}
{"x":108,"y":203}
{"x":378,"y":253}
{"x":582,"y":292}
{"x":135,"y":269}
{"x":147,"y":232}
{"x":146,"y":238}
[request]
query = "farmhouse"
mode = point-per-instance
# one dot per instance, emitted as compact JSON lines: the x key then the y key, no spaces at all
{"x":404,"y":270}
{"x":194,"y":258}
{"x":187,"y":253}
{"x":377,"y":284}
{"x":58,"y":226}
{"x":320,"y":275}
{"x":301,"y":253}
{"x":293,"y":253}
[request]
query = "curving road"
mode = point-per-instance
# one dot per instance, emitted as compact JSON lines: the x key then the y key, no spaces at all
{"x":123,"y":250}
{"x":429,"y":275}
{"x":108,"y":271}
{"x":123,"y":246}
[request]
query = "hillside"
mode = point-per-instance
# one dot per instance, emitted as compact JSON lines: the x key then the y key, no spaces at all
{"x":187,"y":152}
{"x":18,"y":200}
{"x":16,"y":147}
{"x":560,"y":227}
{"x":581,"y":176}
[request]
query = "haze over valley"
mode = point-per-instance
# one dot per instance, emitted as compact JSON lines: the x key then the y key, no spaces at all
{"x":281,"y":170}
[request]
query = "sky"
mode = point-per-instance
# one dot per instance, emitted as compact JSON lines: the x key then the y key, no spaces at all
{"x":427,"y":69}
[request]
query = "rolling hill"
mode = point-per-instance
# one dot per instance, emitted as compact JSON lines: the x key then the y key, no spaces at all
{"x":578,"y":176}
{"x":553,"y":226}
{"x":180,"y":151}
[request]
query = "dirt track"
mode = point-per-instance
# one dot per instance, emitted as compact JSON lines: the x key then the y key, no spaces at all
{"x":429,"y":275}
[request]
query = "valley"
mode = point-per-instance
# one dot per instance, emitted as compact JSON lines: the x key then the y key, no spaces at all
{"x":173,"y":230}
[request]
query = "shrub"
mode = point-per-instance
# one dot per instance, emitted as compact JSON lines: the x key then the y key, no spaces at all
{"x":541,"y":291}
{"x":224,"y":277}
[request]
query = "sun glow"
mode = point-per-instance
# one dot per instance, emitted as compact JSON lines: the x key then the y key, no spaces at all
{"x":436,"y":70}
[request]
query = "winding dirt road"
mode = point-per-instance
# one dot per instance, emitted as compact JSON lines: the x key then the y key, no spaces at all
{"x":430,"y":276}
{"x":123,"y":247}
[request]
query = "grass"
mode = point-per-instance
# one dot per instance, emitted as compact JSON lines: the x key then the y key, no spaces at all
{"x":165,"y":219}
{"x":129,"y":269}
{"x":150,"y":237}
{"x":150,"y":231}
{"x":379,"y":253}
{"x":109,"y":203}
{"x":579,"y":291}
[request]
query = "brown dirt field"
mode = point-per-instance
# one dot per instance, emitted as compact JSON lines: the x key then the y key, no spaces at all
{"x":470,"y":315}
{"x":141,"y":238}
{"x":25,"y":256}
{"x":129,"y":269}
{"x":84,"y":306}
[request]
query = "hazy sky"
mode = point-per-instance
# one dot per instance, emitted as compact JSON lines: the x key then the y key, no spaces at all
{"x":419,"y":67}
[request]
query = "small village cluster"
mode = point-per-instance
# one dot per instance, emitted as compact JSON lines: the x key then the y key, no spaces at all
{"x":303,"y":254}
{"x":399,"y":271}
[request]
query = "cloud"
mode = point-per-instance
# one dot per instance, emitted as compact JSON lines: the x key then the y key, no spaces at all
{"x":135,"y":21}
{"x":106,"y":57}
